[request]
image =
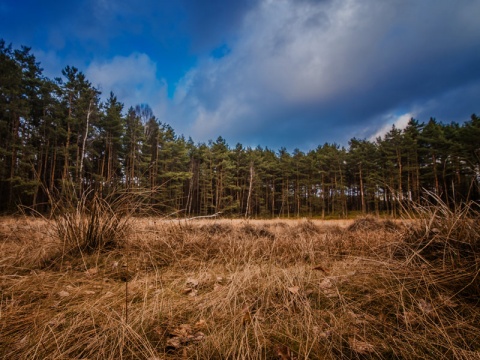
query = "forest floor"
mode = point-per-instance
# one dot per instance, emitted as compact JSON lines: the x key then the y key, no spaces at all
{"x":236,"y":289}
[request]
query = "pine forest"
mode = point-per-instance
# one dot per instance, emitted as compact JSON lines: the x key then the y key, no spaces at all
{"x":57,"y":136}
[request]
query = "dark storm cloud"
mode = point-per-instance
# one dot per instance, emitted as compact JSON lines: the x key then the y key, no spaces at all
{"x":354,"y":67}
{"x":212,"y":22}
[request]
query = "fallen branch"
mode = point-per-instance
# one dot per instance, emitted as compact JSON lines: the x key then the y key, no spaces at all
{"x":204,"y":216}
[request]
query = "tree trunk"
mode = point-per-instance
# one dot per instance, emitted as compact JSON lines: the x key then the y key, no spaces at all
{"x":362,"y":196}
{"x":80,"y":175}
{"x":250,"y":187}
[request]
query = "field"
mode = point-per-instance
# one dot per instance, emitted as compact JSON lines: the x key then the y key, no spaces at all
{"x":233,"y":289}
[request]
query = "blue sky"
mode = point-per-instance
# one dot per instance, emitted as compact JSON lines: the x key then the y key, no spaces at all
{"x":293,"y":73}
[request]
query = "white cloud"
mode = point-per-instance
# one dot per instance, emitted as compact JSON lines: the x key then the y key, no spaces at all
{"x":133,"y":79}
{"x":400,"y":122}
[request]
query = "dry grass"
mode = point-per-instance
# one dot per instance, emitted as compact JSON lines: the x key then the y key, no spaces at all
{"x":231,"y":289}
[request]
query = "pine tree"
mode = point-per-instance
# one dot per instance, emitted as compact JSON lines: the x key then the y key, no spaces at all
{"x":411,"y":137}
{"x":133,"y":143}
{"x":432,"y":144}
{"x":81,"y":110}
{"x":108,"y":144}
{"x":285,"y":165}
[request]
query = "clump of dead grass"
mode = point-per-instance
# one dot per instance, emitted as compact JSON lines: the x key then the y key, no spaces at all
{"x":98,"y":221}
{"x":447,"y":241}
{"x":91,"y":226}
{"x":370,"y":223}
{"x":258,"y":231}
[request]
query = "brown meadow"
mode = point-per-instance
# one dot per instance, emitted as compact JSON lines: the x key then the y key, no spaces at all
{"x":238,"y":289}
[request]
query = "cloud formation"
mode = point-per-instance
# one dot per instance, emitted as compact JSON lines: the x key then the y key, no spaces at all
{"x":212,"y":22}
{"x":132,"y":78}
{"x":292,"y":73}
{"x":326,"y":71}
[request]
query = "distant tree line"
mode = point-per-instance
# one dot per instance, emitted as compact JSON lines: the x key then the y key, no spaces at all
{"x":57,"y":135}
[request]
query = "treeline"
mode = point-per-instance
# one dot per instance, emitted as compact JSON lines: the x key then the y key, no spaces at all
{"x":57,"y":136}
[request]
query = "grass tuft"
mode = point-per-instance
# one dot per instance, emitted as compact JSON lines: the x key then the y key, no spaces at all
{"x":94,"y":224}
{"x":448,"y":242}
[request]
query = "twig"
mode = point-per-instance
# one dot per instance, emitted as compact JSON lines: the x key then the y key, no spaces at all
{"x":204,"y":216}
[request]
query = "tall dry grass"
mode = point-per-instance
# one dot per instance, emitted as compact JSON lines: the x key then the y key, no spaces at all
{"x":243,"y":290}
{"x":92,"y":225}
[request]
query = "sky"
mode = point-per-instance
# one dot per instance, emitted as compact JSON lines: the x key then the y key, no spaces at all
{"x":274,"y":73}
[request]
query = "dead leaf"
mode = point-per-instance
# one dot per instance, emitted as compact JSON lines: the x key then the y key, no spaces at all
{"x":200,"y":324}
{"x":190,"y":292}
{"x":425,"y":306}
{"x":24,"y":340}
{"x":198,"y":336}
{"x":447,"y":301}
{"x":284,"y":353}
{"x":184,"y":334}
{"x":361,"y":347}
{"x":57,"y":321}
{"x":55,"y":305}
{"x":322,"y":269}
{"x":259,"y":315}
{"x":294,"y":289}
{"x":217,"y":287}
{"x":192,"y":282}
{"x":183,"y":330}
{"x":382,"y":317}
{"x":247,"y":317}
{"x":63,"y":293}
{"x":408,"y":318}
{"x":325,"y":334}
{"x":91,"y":271}
{"x":322,"y":332}
{"x":174,"y":342}
{"x":330,"y":293}
{"x":328,"y":289}
{"x":326,"y":284}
